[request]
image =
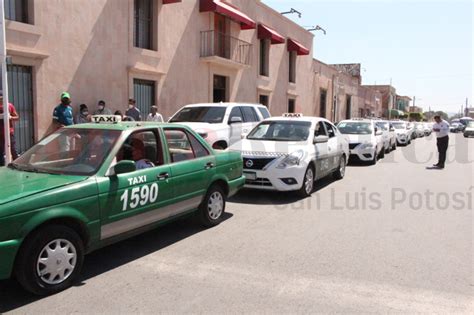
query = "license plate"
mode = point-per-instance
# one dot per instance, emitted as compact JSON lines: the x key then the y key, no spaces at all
{"x":250,"y":176}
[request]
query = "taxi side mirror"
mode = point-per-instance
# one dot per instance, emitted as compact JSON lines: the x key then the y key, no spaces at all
{"x":378,"y":132}
{"x":320,"y":139}
{"x":125,"y":166}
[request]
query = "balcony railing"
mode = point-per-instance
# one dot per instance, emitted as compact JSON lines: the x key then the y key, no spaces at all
{"x":225,"y":46}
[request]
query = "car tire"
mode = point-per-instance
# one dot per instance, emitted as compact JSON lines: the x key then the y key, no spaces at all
{"x":374,"y":160}
{"x":394,"y":146}
{"x":382,"y":154}
{"x":341,"y":170}
{"x":308,"y":183}
{"x":212,"y":208}
{"x":34,"y":259}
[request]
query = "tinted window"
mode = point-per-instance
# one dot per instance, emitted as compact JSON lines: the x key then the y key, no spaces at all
{"x":249,"y":114}
{"x":209,"y":114}
{"x":236,"y":112}
{"x":264,"y":112}
{"x":198,"y":148}
{"x":331,"y":132}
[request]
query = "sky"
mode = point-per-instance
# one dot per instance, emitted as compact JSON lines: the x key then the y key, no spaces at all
{"x":423,"y":47}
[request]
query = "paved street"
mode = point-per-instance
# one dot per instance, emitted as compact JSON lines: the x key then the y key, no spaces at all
{"x":394,"y":237}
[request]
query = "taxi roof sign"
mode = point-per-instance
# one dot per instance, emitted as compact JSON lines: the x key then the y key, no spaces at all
{"x":106,"y":119}
{"x":293,"y":115}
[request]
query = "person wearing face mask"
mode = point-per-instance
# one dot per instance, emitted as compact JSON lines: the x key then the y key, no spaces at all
{"x":101,"y":109}
{"x":133,"y":111}
{"x":83,"y":116}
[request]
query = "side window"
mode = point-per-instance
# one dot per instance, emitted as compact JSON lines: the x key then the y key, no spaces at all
{"x":143,"y":148}
{"x":183,"y":146}
{"x":331,"y":132}
{"x":249,"y":114}
{"x":236,"y":112}
{"x":198,"y":149}
{"x":320,"y":130}
{"x":264,"y":112}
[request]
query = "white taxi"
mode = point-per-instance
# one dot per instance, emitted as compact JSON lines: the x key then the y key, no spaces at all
{"x":289,"y":153}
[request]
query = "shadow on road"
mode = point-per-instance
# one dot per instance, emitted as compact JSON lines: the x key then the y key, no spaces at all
{"x":266,"y":197}
{"x":12,"y":296}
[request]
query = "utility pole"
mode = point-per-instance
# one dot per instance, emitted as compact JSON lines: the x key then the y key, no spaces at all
{"x":3,"y":65}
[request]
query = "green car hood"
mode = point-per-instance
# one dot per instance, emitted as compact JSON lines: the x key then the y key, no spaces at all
{"x":16,"y":184}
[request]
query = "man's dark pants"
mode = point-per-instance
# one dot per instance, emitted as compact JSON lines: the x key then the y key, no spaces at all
{"x":442,"y":144}
{"x":12,"y":149}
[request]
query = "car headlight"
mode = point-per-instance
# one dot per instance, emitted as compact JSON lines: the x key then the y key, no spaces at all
{"x":291,"y":159}
{"x":367,"y":145}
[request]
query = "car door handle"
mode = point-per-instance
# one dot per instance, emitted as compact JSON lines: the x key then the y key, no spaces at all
{"x":163,"y":176}
{"x":209,"y":166}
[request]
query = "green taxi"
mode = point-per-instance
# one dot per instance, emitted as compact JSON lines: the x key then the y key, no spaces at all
{"x":89,"y":185}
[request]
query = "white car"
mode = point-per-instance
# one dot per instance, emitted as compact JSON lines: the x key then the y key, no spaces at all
{"x":402,"y":132}
{"x":221,"y":124}
{"x":290,"y":153}
{"x":419,"y":130}
{"x":388,"y":135}
{"x":365,"y":140}
{"x":469,"y":130}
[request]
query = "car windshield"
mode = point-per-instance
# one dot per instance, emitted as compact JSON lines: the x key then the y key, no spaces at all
{"x":207,"y":114}
{"x":470,"y":124}
{"x":355,"y":128}
{"x":398,"y":125}
{"x":383,"y":125}
{"x":69,"y":152}
{"x":281,"y":131}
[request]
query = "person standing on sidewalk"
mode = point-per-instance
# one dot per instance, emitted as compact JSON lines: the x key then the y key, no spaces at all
{"x":133,"y":111}
{"x":441,"y":127}
{"x":154,"y":115}
{"x":101,"y":109}
{"x":63,"y":117}
{"x":13,"y":118}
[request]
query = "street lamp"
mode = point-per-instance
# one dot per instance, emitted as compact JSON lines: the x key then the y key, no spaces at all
{"x":316,"y":28}
{"x":291,"y":12}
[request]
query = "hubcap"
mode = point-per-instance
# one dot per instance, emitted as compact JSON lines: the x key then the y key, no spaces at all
{"x":308,"y":181}
{"x":342,"y":167}
{"x":215,"y":206}
{"x":56,"y":261}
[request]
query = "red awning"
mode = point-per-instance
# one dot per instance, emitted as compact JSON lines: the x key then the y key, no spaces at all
{"x":294,"y":45}
{"x":170,"y":1}
{"x":228,"y":10}
{"x":265,"y":32}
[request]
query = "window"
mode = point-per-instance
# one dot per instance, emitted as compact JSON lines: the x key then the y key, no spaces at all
{"x":264,"y":112}
{"x":143,"y":24}
{"x":320,"y":130}
{"x":237,"y":113}
{"x":348,"y":107}
{"x":291,"y":105}
{"x":220,"y":89}
{"x":143,"y":148}
{"x":264,"y":57}
{"x":263,"y":99}
{"x":322,"y":103}
{"x":16,"y":10}
{"x":292,"y":67}
{"x":180,"y":147}
{"x":144,"y":93}
{"x":330,"y":130}
{"x":249,"y":114}
{"x":198,"y":149}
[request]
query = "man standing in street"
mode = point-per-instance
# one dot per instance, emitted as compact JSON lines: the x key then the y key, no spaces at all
{"x":13,"y":117}
{"x":62,"y":117}
{"x":154,"y":115}
{"x":133,"y":111}
{"x":441,"y":127}
{"x":101,"y":109}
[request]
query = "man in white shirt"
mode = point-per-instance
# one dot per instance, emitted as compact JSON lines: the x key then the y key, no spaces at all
{"x":441,"y":127}
{"x":154,"y":115}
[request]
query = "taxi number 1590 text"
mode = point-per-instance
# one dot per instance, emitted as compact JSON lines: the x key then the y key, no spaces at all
{"x":143,"y":195}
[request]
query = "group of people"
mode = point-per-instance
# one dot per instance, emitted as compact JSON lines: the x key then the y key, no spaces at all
{"x":63,"y":113}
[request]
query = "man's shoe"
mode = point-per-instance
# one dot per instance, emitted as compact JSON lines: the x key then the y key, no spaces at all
{"x":439,"y":166}
{"x":436,"y":165}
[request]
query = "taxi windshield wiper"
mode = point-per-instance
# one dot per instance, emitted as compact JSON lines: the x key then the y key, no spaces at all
{"x":13,"y":166}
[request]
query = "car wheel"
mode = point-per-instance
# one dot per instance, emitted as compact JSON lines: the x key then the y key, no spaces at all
{"x":50,"y":260}
{"x":382,"y":154}
{"x":394,"y":146}
{"x":374,"y":160}
{"x":212,"y":207}
{"x":308,"y":183}
{"x":341,"y":170}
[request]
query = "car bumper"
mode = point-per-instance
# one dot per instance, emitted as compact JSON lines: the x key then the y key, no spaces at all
{"x":235,"y":185}
{"x":287,"y":179}
{"x":8,"y":251}
{"x":402,"y":140}
{"x":363,"y":154}
{"x":469,"y":133}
